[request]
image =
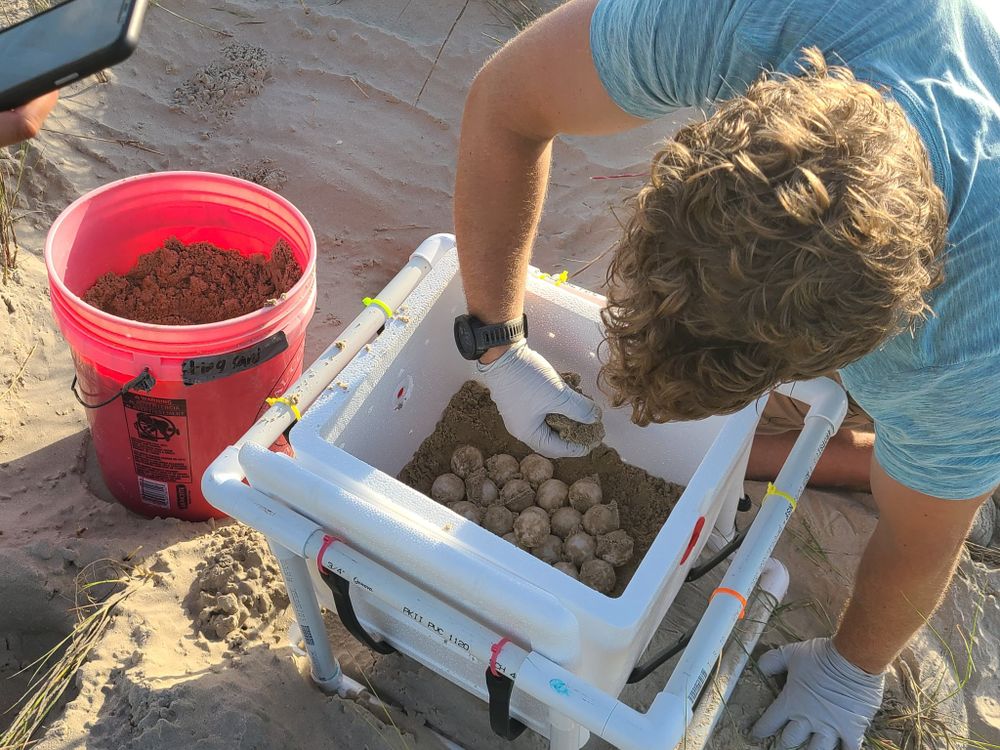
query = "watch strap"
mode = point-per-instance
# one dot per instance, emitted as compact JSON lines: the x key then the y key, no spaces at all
{"x":500,"y":334}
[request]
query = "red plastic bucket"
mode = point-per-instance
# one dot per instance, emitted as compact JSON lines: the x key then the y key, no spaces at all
{"x":211,"y":380}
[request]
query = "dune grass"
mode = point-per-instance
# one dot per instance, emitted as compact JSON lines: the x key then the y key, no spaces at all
{"x":989,"y":556}
{"x":101,"y":587}
{"x":12,"y":173}
{"x":805,"y":539}
{"x":915,"y":718}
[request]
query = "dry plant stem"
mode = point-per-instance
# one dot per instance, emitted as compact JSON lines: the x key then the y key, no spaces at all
{"x":440,"y":50}
{"x":382,"y":704}
{"x":10,"y":188}
{"x":989,"y":556}
{"x":223,"y":32}
{"x":14,"y":381}
{"x":120,"y":141}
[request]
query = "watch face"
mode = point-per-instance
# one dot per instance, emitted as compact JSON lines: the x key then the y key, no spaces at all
{"x":465,"y":339}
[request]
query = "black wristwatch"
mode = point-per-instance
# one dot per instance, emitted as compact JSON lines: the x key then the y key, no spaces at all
{"x":473,"y":337}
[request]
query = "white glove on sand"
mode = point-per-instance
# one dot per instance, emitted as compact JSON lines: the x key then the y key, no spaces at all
{"x":826,"y":699}
{"x":525,"y":387}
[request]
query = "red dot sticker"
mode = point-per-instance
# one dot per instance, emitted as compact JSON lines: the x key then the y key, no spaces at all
{"x":699,"y":525}
{"x":403,"y":392}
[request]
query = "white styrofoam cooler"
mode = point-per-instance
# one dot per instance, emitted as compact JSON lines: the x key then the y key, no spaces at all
{"x":446,"y":591}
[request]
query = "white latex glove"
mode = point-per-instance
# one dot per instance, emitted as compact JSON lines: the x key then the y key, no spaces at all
{"x":525,"y":388}
{"x":826,"y":699}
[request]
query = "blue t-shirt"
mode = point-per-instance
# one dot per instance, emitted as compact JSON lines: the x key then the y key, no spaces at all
{"x":934,"y":395}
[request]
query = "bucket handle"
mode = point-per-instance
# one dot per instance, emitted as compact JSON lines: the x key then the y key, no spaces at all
{"x":144,"y":381}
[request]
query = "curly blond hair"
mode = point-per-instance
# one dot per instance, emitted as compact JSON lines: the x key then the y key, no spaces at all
{"x":787,"y":235}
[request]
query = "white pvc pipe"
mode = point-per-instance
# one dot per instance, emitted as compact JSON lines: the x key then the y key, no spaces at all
{"x":602,"y":714}
{"x":322,"y":372}
{"x":461,"y":634}
{"x":324,"y":667}
{"x":364,"y":523}
{"x":827,"y":401}
{"x":224,"y":487}
{"x":288,"y":532}
{"x":825,"y":415}
{"x":771,"y":591}
{"x":537,"y":675}
{"x":565,"y":734}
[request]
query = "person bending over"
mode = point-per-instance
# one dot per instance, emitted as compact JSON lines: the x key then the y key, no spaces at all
{"x":834,"y":215}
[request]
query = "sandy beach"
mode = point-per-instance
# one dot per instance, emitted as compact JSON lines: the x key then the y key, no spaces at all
{"x":351,"y":111}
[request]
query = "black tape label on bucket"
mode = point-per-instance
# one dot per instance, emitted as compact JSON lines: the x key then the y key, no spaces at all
{"x":205,"y":369}
{"x":161,"y":447}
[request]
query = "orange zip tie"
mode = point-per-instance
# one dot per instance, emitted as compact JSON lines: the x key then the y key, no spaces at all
{"x":734,"y":593}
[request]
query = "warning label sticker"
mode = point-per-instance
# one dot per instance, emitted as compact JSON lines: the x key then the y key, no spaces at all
{"x":158,"y":433}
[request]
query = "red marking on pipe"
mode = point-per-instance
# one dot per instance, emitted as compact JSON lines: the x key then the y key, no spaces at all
{"x":698,"y":526}
{"x":400,"y":392}
{"x":327,"y":541}
{"x":495,"y":650}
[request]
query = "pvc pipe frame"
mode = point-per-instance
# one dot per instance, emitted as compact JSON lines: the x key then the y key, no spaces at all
{"x":288,"y":531}
{"x":770,"y":592}
{"x":296,"y":539}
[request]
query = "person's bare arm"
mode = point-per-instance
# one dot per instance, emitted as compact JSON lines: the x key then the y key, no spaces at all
{"x":904,"y":572}
{"x":25,"y":121}
{"x":541,"y":84}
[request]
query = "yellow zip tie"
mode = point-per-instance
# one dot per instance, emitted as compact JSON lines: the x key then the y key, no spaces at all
{"x":558,"y":280}
{"x":287,"y":402}
{"x":378,"y":303}
{"x":772,"y":490}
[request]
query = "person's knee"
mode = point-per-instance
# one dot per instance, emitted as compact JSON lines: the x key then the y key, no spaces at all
{"x":859,"y":439}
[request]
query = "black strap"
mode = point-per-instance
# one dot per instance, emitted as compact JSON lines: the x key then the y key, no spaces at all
{"x":697,"y":572}
{"x":144,"y":381}
{"x":500,"y":687}
{"x":341,"y":590}
{"x":642,"y":671}
{"x":499,"y":334}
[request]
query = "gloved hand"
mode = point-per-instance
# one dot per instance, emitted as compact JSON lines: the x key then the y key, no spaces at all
{"x":826,"y":699}
{"x":525,"y":388}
